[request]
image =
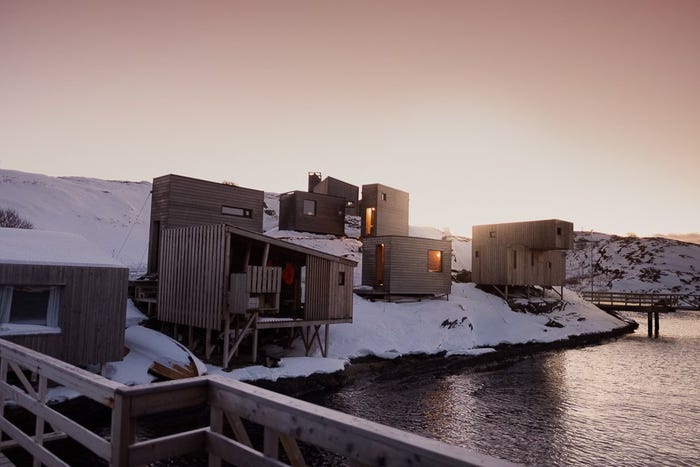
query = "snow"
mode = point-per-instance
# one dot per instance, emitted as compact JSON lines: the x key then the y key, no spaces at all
{"x":23,"y":246}
{"x":115,"y":216}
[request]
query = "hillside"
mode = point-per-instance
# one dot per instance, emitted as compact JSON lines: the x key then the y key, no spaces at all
{"x":115,"y":215}
{"x":602,"y":262}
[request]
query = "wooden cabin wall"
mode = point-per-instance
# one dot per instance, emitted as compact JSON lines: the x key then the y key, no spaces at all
{"x":369,"y":260}
{"x":329,"y":218}
{"x":92,"y":311}
{"x":335,"y":187}
{"x":407,"y":265}
{"x":192,"y":282}
{"x":179,"y":201}
{"x":326,"y":298}
{"x":391,"y":214}
{"x":541,"y":235}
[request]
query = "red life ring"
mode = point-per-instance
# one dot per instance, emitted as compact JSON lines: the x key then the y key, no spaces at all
{"x":288,"y":274}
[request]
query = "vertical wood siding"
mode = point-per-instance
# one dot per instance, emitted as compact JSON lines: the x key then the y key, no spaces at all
{"x":326,"y":299}
{"x":91,"y":313}
{"x":179,"y":201}
{"x":392,"y":213}
{"x":329,"y":218}
{"x":406,"y":265}
{"x":192,"y":282}
{"x":521,"y":253}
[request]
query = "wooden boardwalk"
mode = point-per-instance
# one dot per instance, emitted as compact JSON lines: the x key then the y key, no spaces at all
{"x":642,"y":301}
{"x":284,"y":422}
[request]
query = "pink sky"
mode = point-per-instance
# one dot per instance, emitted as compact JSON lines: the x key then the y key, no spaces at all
{"x":484,"y":111}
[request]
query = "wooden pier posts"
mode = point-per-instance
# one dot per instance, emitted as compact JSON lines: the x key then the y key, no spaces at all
{"x":653,"y":322}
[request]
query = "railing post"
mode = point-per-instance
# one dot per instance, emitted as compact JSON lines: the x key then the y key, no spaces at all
{"x":216,"y":425}
{"x":123,"y":429}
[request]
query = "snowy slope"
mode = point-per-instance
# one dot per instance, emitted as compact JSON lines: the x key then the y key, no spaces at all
{"x":630,"y":264}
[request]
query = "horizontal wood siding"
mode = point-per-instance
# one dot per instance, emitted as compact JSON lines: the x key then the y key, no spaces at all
{"x":92,"y":311}
{"x":192,"y":281}
{"x":179,"y":201}
{"x":521,"y":253}
{"x":335,"y":187}
{"x":391,"y":214}
{"x":329,"y":218}
{"x":326,"y":299}
{"x":406,"y":265}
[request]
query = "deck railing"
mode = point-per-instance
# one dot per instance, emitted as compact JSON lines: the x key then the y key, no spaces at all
{"x":285,"y":422}
{"x":643,"y":300}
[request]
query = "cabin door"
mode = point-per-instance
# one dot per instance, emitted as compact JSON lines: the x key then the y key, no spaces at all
{"x":379,"y":265}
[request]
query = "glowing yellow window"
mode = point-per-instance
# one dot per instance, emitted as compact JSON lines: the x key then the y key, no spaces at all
{"x":434,"y":260}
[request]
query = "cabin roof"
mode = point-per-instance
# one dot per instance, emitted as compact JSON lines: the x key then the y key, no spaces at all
{"x":288,"y":245}
{"x":29,"y":246}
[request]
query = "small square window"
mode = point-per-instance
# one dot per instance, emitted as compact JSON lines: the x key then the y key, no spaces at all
{"x":492,"y":234}
{"x":434,"y":261}
{"x":383,"y":196}
{"x":309,"y":207}
{"x":476,"y":254}
{"x":558,"y":230}
{"x":350,"y":204}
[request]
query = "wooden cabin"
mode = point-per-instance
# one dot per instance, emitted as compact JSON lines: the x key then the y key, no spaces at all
{"x":333,"y":186}
{"x":312,"y":212}
{"x":62,"y":296}
{"x":230,"y":281}
{"x":179,"y":201}
{"x":384,"y":211}
{"x":521,"y":253}
{"x":399,"y":265}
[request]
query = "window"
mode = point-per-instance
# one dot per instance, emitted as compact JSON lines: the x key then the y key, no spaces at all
{"x":350,"y":204}
{"x":236,"y":212}
{"x":309,"y":207}
{"x":492,"y":234}
{"x":341,"y":278}
{"x":515,"y":259}
{"x":476,"y":254}
{"x":558,"y":230}
{"x":36,"y":306}
{"x":383,"y":196}
{"x":434,"y":261}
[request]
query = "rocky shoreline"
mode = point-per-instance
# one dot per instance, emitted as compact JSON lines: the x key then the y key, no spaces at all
{"x":375,"y":367}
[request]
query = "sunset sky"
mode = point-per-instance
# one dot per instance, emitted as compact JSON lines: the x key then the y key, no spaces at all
{"x":485,"y":111}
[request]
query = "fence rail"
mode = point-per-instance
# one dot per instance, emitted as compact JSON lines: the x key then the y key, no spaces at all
{"x":643,"y":300}
{"x":285,"y":421}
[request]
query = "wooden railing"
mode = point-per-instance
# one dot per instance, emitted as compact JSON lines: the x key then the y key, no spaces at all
{"x":642,"y":300}
{"x":285,"y":422}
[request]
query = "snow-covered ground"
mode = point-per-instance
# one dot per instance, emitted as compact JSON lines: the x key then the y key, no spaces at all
{"x":115,"y":216}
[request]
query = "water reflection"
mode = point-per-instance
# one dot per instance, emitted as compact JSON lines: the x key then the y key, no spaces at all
{"x":632,"y":401}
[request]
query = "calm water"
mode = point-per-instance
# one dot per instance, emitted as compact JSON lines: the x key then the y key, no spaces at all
{"x":632,"y":401}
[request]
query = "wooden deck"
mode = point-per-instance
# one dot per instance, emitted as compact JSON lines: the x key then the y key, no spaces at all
{"x":642,"y":301}
{"x":284,"y":421}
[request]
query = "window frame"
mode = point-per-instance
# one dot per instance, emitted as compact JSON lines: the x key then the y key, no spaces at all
{"x":432,"y":261}
{"x":236,"y":211}
{"x":309,"y":212}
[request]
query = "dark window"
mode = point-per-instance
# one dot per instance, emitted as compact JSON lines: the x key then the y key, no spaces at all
{"x":236,"y":212}
{"x":492,"y":234}
{"x":549,"y":264}
{"x":515,"y":260}
{"x":476,"y":254}
{"x":558,"y":230}
{"x":309,"y":207}
{"x":29,"y":305}
{"x":383,"y":196}
{"x":434,"y":261}
{"x":341,"y":278}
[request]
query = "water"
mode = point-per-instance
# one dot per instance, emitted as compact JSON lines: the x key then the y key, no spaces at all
{"x":633,"y":401}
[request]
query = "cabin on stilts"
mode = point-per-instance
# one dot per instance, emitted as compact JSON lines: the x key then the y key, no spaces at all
{"x":312,"y":212}
{"x":522,"y":254}
{"x":397,"y":266}
{"x":62,"y":296}
{"x":226,"y":283}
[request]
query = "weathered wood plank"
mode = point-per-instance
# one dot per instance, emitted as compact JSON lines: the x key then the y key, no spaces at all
{"x":27,"y":443}
{"x":178,"y":444}
{"x":238,"y":454}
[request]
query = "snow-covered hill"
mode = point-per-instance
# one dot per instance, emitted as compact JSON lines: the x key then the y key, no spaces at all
{"x":629,"y":264}
{"x":115,"y":215}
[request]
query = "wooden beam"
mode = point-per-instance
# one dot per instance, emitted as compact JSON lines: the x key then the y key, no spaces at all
{"x":164,"y":447}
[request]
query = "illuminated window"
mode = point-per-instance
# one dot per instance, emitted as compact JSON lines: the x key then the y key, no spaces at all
{"x":309,"y":207}
{"x":236,"y":212}
{"x":350,"y":204}
{"x":434,"y":260}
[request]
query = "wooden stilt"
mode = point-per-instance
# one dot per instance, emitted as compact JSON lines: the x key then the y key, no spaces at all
{"x":649,"y":324}
{"x":327,"y":339}
{"x":208,"y":348}
{"x":656,"y":323}
{"x":227,"y":340}
{"x":255,"y":341}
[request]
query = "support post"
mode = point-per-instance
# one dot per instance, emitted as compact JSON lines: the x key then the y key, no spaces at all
{"x":649,"y":324}
{"x":327,"y":340}
{"x":656,"y":323}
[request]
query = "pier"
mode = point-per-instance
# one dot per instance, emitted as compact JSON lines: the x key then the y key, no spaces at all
{"x":651,"y":303}
{"x":25,"y":376}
